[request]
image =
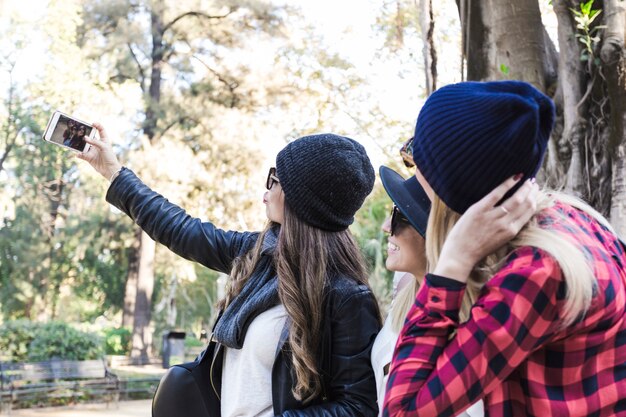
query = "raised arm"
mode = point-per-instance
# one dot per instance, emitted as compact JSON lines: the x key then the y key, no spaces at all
{"x":518,"y":310}
{"x":165,"y":222}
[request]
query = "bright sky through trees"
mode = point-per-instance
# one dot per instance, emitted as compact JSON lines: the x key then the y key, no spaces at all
{"x":346,"y":27}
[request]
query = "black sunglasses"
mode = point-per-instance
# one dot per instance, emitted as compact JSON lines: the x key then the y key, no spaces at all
{"x":406,"y":153}
{"x":397,"y":220}
{"x":271,"y":179}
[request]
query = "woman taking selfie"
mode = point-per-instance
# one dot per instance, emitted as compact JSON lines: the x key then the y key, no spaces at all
{"x":547,"y":333}
{"x":406,"y":227}
{"x":298,"y":321}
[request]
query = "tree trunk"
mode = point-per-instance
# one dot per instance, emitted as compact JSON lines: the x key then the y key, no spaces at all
{"x":142,"y":332}
{"x":507,"y":40}
{"x":572,"y":77}
{"x":588,"y":144}
{"x":474,"y":35}
{"x":154,"y":91}
{"x":144,"y":273}
{"x":429,"y":53}
{"x":130,"y":292}
{"x":613,"y":56}
{"x":516,"y":46}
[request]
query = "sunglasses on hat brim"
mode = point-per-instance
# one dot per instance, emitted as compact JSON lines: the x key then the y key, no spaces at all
{"x":406,"y":153}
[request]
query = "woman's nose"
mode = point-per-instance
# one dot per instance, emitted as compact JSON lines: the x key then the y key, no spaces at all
{"x":386,"y":227}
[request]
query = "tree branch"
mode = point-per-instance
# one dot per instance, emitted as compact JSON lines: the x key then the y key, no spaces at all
{"x":175,"y":122}
{"x":7,"y":150}
{"x":231,"y":85}
{"x":10,"y":121}
{"x":196,"y":14}
{"x":142,"y":73}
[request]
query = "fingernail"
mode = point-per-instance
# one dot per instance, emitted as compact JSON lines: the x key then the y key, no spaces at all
{"x":518,"y":176}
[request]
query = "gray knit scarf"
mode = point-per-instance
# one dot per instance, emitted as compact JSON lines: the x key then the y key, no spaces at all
{"x":258,"y":295}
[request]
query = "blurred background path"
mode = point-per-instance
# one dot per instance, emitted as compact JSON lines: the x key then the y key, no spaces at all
{"x":137,"y":408}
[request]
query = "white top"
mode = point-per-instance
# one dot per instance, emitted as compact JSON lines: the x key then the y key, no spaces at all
{"x":247,"y":372}
{"x":382,"y":352}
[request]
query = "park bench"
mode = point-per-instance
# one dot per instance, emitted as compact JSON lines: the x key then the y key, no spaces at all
{"x":37,"y":383}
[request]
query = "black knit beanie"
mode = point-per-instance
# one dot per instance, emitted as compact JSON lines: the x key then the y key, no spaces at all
{"x":325,"y":179}
{"x":471,"y":136}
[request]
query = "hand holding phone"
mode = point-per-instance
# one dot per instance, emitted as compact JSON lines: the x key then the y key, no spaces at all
{"x":68,"y":132}
{"x":100,"y":154}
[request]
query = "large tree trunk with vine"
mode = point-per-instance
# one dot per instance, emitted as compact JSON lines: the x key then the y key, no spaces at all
{"x":591,"y":80}
{"x":506,"y":40}
{"x":588,"y":145}
{"x":572,"y":86}
{"x":613,"y":56}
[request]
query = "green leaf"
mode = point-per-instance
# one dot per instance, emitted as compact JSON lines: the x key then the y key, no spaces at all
{"x":593,"y":15}
{"x":504,"y":69}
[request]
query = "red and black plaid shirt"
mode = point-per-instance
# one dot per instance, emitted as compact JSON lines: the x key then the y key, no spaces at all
{"x":514,"y":351}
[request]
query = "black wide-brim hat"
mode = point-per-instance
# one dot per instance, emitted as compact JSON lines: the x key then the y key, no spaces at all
{"x":409,"y":196}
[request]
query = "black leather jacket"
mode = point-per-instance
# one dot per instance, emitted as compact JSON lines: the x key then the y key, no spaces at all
{"x":351,"y":320}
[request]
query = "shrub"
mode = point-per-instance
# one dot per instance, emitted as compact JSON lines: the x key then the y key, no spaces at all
{"x":59,"y":340}
{"x":191,"y":342}
{"x":117,"y":341}
{"x":26,"y":341}
{"x":15,"y":338}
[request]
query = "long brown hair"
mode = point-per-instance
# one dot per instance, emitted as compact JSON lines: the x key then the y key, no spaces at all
{"x":306,"y":259}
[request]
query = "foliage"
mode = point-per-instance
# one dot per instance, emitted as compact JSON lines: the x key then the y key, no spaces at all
{"x":589,"y":33}
{"x":373,"y":242}
{"x":60,"y":340}
{"x":192,"y":342}
{"x":232,"y":90}
{"x":59,"y":254}
{"x":117,"y":341}
{"x":23,"y":340}
{"x":397,"y":21}
{"x":186,"y":298}
{"x":15,"y":339}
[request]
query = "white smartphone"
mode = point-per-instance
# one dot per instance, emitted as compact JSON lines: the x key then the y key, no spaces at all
{"x":68,"y":132}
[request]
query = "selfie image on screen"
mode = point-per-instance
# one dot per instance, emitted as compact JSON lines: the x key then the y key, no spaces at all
{"x":70,"y":133}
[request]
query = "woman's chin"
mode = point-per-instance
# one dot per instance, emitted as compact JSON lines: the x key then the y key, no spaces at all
{"x":391,"y":264}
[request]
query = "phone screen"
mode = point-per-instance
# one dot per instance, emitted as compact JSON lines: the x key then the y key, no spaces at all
{"x":71,"y":133}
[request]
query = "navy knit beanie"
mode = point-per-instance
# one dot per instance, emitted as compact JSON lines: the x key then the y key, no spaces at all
{"x":325,"y":179}
{"x":472,"y":136}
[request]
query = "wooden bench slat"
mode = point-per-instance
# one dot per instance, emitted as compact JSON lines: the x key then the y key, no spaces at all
{"x":56,"y":379}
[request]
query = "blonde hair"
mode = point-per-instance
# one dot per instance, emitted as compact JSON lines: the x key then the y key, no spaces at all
{"x":574,"y":264}
{"x":402,"y":303}
{"x":405,"y":299}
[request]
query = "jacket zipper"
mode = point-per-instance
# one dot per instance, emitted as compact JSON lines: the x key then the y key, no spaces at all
{"x":219,"y":345}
